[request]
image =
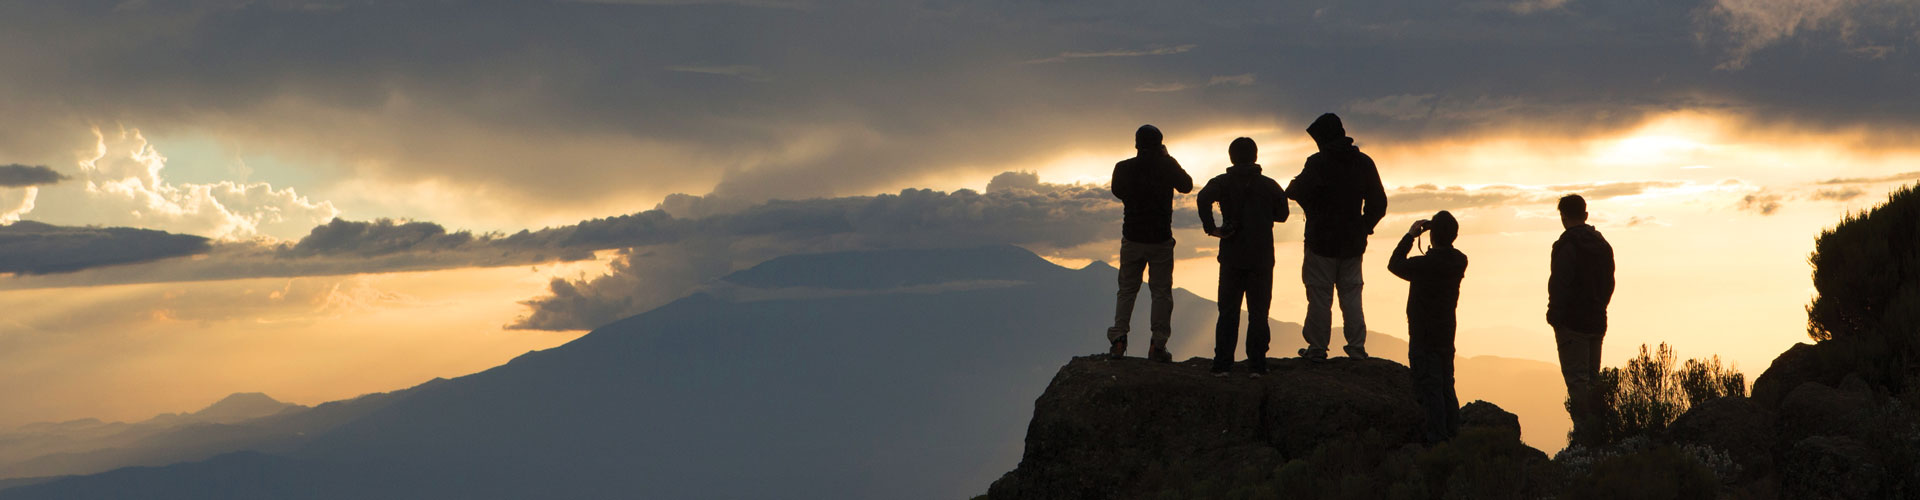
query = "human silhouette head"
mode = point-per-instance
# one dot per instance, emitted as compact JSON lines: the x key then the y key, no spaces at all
{"x":1326,"y":128}
{"x":1243,"y":151}
{"x":1573,"y":211}
{"x":1147,"y":138}
{"x":1444,"y":228}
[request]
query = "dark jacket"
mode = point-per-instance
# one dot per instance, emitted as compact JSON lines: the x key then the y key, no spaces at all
{"x":1434,"y":285}
{"x":1145,"y":185}
{"x":1340,"y":191}
{"x":1582,"y":281}
{"x":1249,"y":205}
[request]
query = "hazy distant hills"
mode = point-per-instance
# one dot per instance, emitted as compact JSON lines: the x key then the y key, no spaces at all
{"x":242,"y":421}
{"x":890,"y":374}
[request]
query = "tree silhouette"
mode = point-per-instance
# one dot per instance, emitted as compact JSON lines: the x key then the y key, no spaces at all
{"x":1648,"y":393}
{"x":1867,"y":273}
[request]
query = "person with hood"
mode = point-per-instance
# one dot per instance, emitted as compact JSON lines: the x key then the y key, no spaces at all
{"x":1578,"y":290}
{"x":1250,"y":203}
{"x":1341,"y":193}
{"x":1145,"y":185}
{"x":1433,"y":292}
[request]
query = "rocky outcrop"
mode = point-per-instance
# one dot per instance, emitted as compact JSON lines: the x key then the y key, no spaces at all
{"x":1481,"y":414}
{"x":1109,"y":428}
{"x":1734,"y":425}
{"x":1826,"y":362}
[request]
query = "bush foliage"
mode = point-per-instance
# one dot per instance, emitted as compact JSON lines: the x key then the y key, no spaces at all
{"x":1648,"y":393}
{"x":1866,"y":272}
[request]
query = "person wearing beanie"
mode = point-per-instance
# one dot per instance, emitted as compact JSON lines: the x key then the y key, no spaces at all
{"x":1433,"y":293}
{"x":1250,"y":203}
{"x":1145,"y":185}
{"x":1340,"y":191}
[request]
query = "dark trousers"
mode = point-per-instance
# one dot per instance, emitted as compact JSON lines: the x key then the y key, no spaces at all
{"x":1256,"y":285}
{"x":1430,"y":351}
{"x":1580,"y":365}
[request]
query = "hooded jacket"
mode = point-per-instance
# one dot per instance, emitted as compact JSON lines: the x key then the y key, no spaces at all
{"x":1250,"y":203}
{"x":1340,"y":191}
{"x":1582,"y":281}
{"x":1145,"y":185}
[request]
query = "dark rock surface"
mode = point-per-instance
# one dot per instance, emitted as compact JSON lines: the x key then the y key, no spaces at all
{"x":1107,"y":428}
{"x":1481,"y":414}
{"x":1734,"y":425}
{"x":1831,"y":467}
{"x":1816,"y":409}
{"x":1825,"y":362}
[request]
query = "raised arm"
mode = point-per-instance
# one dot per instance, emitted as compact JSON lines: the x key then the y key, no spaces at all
{"x":1407,"y":269}
{"x":1177,"y":177}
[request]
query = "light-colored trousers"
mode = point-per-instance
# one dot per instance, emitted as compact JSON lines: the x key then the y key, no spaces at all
{"x":1323,"y":276}
{"x":1157,"y":260}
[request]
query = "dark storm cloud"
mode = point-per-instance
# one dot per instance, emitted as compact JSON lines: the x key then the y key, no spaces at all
{"x":17,"y":175}
{"x":816,"y":99}
{"x":1034,"y":214}
{"x":29,"y":248}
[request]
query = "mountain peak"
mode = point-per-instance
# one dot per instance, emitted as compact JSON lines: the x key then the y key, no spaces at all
{"x":241,"y":406}
{"x":893,"y":268}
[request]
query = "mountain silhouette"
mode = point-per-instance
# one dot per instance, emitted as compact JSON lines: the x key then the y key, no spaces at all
{"x":886,"y":374}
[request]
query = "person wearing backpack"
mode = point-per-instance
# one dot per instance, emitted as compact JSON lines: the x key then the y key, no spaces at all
{"x":1250,"y":203}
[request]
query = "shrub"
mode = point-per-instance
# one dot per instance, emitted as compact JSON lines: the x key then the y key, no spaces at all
{"x":1866,"y":272}
{"x":1644,"y":396}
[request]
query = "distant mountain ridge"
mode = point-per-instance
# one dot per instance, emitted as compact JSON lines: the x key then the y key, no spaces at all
{"x":871,"y":395}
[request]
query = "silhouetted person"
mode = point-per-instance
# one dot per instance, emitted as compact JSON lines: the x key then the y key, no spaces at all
{"x":1577,"y":295}
{"x":1433,"y":292}
{"x":1340,"y":191}
{"x":1249,"y":205}
{"x":1145,"y":185}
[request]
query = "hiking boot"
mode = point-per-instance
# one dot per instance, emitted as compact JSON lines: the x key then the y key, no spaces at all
{"x":1313,"y":354}
{"x":1159,"y":354}
{"x":1356,"y":352}
{"x":1256,"y":370}
{"x":1219,"y":371}
{"x":1119,"y":348}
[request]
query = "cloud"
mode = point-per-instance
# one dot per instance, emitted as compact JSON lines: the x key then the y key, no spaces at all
{"x":679,"y":256}
{"x":1524,"y":7}
{"x":1155,"y":51}
{"x":1430,"y":198}
{"x":1868,"y":28}
{"x":1243,"y":79}
{"x":1240,"y":80}
{"x":17,"y":175}
{"x":1902,"y":177}
{"x":1763,"y":203}
{"x":123,"y":183}
{"x":742,"y":71}
{"x":1162,"y":87}
{"x":549,"y":109}
{"x":1841,"y":194}
{"x":31,"y":248}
